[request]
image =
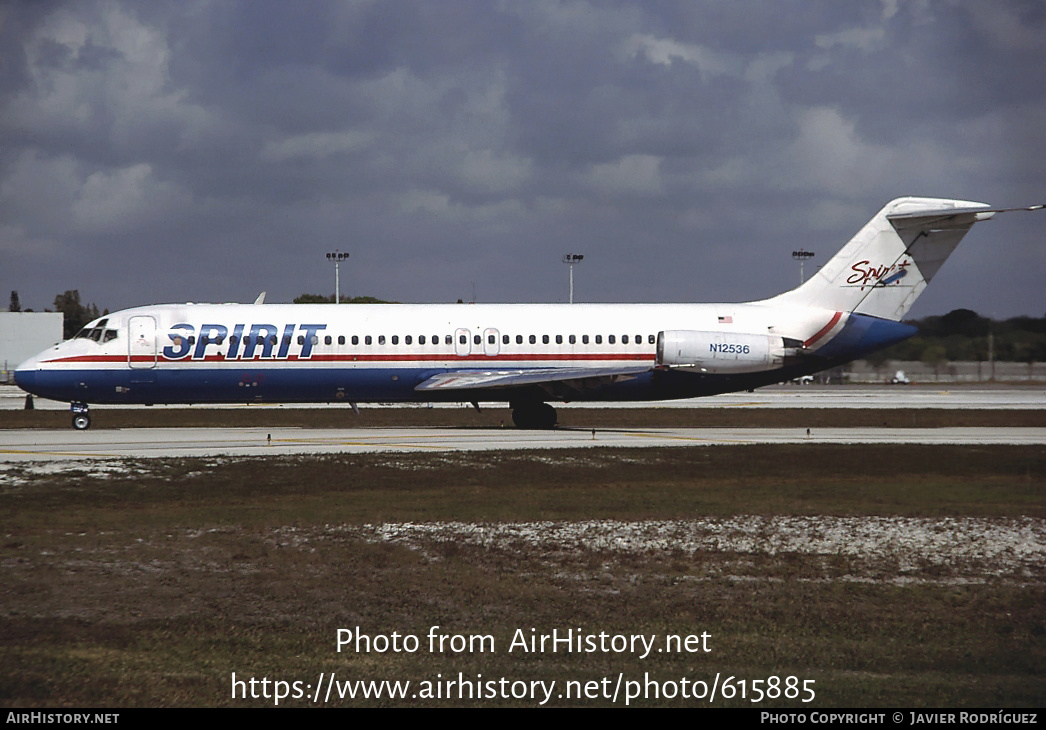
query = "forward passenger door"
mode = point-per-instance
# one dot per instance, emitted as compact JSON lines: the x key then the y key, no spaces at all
{"x":141,"y":342}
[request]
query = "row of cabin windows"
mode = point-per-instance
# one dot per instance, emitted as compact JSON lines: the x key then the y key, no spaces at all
{"x":435,"y":339}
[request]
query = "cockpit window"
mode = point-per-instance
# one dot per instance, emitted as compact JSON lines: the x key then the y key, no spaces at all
{"x":97,"y":332}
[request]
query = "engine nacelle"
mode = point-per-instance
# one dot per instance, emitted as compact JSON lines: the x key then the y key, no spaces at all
{"x":723,"y":352}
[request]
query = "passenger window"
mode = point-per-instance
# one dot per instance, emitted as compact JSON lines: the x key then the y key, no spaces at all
{"x":316,"y":340}
{"x":272,"y":340}
{"x":519,"y":339}
{"x":504,"y":339}
{"x":559,"y":339}
{"x":573,"y":340}
{"x":301,"y":339}
{"x":421,"y":339}
{"x":533,"y":339}
{"x":408,"y":340}
{"x":492,"y":340}
{"x":651,"y":339}
{"x":341,"y":339}
{"x":463,"y":339}
{"x":395,"y":339}
{"x":327,"y":340}
{"x":599,"y":339}
{"x":584,"y":339}
{"x":476,"y":339}
{"x":610,"y":339}
{"x":624,"y":339}
{"x":449,"y":340}
{"x":381,"y":339}
{"x":192,"y":339}
{"x":367,"y":340}
{"x":435,"y":340}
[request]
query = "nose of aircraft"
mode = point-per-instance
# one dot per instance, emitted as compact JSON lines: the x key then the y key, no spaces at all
{"x":25,"y":374}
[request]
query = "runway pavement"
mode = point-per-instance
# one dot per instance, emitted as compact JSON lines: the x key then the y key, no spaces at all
{"x":995,"y":397}
{"x":70,"y":445}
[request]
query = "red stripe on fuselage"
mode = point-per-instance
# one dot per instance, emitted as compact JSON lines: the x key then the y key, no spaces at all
{"x":824,"y":330}
{"x":475,"y":357}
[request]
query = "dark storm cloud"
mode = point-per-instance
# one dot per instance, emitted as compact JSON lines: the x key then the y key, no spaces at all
{"x":211,"y":150}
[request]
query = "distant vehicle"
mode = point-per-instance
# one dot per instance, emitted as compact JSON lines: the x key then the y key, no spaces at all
{"x":523,"y":354}
{"x":803,"y":380}
{"x":900,"y":378}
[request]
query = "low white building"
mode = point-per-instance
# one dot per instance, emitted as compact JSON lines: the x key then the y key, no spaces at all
{"x":24,"y":334}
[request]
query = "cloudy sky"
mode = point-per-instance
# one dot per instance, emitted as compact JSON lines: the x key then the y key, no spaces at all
{"x":208,"y":150}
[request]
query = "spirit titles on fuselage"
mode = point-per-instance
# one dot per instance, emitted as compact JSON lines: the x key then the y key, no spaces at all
{"x":260,"y":342}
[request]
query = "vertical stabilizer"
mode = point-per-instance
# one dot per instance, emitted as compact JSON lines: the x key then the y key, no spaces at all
{"x":885,"y":267}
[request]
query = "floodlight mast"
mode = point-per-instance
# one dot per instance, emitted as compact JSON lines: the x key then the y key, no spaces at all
{"x":336,"y":257}
{"x":570,"y":259}
{"x":801,"y":256}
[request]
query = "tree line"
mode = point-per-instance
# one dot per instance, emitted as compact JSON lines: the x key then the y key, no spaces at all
{"x":75,"y":314}
{"x":964,"y":335}
{"x":321,"y":299}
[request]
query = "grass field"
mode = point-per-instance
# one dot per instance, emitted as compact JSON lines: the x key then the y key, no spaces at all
{"x":890,"y":576}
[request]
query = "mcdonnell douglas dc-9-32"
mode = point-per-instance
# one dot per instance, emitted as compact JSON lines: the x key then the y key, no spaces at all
{"x":524,"y":354}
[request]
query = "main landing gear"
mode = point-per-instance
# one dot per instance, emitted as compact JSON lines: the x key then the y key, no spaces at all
{"x":534,"y":415}
{"x":81,"y":416}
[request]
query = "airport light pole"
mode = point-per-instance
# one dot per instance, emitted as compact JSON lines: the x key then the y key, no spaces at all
{"x":336,"y":257}
{"x":801,"y":256}
{"x":571,"y":259}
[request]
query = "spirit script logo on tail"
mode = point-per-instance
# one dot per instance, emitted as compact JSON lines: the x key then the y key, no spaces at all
{"x":866,"y":275}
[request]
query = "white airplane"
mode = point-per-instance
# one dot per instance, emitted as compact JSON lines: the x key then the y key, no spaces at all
{"x":525,"y":354}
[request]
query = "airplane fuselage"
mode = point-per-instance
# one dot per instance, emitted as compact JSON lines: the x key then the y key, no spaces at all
{"x":200,"y":353}
{"x":525,"y":354}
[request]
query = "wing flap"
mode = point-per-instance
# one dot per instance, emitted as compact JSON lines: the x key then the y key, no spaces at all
{"x":576,"y":378}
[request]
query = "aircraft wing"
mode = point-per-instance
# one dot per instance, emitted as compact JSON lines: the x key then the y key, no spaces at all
{"x":573,"y":378}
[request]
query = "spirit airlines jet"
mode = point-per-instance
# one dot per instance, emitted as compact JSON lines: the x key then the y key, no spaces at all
{"x":525,"y":354}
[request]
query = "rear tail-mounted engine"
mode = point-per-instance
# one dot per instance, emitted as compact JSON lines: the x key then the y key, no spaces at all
{"x":725,"y":352}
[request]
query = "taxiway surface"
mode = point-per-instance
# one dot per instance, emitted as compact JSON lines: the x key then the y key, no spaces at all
{"x":997,"y":397}
{"x":139,"y":443}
